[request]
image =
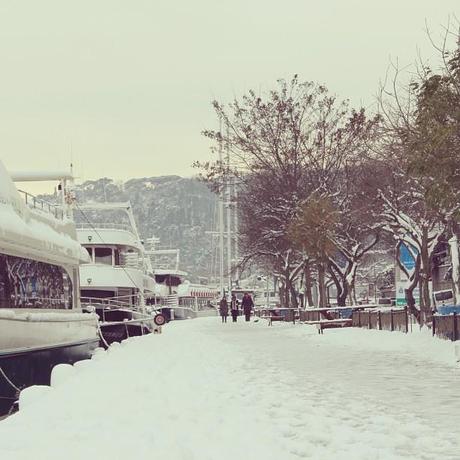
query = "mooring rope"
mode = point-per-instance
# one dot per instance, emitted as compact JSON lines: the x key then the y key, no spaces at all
{"x":17,"y":391}
{"x":10,"y":382}
{"x":101,"y":335}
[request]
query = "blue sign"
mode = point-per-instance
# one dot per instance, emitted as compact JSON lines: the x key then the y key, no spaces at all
{"x":405,"y":256}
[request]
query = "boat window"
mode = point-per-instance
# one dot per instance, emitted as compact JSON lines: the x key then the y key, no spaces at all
{"x":96,"y":293}
{"x":103,"y":256}
{"x":173,"y":281}
{"x":116,"y":253}
{"x":90,"y":252}
{"x":26,"y":283}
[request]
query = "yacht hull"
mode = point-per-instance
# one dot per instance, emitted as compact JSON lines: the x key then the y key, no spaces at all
{"x":22,"y":368}
{"x":32,"y":341}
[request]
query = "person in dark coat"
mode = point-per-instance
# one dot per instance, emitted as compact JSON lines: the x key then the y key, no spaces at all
{"x":223,"y":308}
{"x":247,"y":305}
{"x":234,"y":308}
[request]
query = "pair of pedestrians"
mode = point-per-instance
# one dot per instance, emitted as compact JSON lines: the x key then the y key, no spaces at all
{"x":246,"y":303}
{"x":223,"y":308}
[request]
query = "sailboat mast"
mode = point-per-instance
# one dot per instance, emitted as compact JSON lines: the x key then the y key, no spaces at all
{"x":229,"y":216}
{"x":235,"y":234}
{"x":221,"y":219}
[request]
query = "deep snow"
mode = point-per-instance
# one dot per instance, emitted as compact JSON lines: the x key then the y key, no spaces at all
{"x":206,"y":390}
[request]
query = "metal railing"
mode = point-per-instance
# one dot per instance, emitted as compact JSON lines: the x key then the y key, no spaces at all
{"x":120,"y":266}
{"x":391,"y":320}
{"x":128,"y":301}
{"x":108,"y":304}
{"x":37,"y":203}
{"x":445,"y":327}
{"x":104,"y":225}
{"x":172,"y":300}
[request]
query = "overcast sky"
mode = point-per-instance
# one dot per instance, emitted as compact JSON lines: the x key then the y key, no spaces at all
{"x":127,"y":85}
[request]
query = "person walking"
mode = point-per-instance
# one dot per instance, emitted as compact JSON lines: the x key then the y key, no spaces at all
{"x":223,"y":308}
{"x":234,"y":308}
{"x":247,"y":305}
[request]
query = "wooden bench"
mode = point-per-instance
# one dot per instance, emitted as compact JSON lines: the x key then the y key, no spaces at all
{"x":272,"y":318}
{"x":330,"y":323}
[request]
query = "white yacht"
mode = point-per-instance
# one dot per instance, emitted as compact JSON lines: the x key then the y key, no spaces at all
{"x":177,"y":297}
{"x":118,"y":277}
{"x":197,"y":300}
{"x":41,"y":322}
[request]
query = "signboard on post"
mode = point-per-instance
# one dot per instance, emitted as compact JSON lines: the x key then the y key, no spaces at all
{"x":406,"y":258}
{"x":402,"y":282}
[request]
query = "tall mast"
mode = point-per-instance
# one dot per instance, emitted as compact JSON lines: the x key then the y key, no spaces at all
{"x":221,"y":217}
{"x":229,"y":216}
{"x":235,"y":220}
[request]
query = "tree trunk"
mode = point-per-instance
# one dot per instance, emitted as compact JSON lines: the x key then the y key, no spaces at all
{"x":281,"y":293}
{"x":294,"y":301}
{"x":277,"y":287}
{"x":308,"y":284}
{"x":287,"y":290}
{"x":322,"y":285}
{"x":409,"y":293}
{"x":455,"y":260}
{"x":342,"y":295}
{"x":352,"y":295}
{"x":425,"y":271}
{"x":411,"y":303}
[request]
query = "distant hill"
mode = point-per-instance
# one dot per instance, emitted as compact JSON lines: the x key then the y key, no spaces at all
{"x":175,"y":209}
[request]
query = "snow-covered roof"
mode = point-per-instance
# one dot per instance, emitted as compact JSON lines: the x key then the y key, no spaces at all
{"x":31,"y":233}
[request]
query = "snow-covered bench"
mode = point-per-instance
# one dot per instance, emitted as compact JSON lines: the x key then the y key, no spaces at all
{"x":272,"y":318}
{"x":330,"y":323}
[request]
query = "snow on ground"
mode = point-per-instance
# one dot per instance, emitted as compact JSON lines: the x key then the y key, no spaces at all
{"x":205,"y":390}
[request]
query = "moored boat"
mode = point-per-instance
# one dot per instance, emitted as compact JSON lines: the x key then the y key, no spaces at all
{"x":173,"y":293}
{"x":117,"y":277}
{"x":41,"y":321}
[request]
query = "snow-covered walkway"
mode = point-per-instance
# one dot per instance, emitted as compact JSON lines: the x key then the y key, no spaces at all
{"x":204,"y":390}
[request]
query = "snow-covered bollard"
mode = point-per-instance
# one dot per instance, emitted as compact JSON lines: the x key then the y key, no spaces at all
{"x":32,"y":394}
{"x":61,"y":373}
{"x":99,"y":354}
{"x":114,"y":346}
{"x":127,"y":341}
{"x":83,"y":364}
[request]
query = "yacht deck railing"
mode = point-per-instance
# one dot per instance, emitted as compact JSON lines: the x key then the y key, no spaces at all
{"x":104,"y":225}
{"x":37,"y":203}
{"x":127,"y":301}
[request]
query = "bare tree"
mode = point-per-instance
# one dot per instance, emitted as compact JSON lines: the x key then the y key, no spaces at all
{"x":417,"y":205}
{"x":299,"y":140}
